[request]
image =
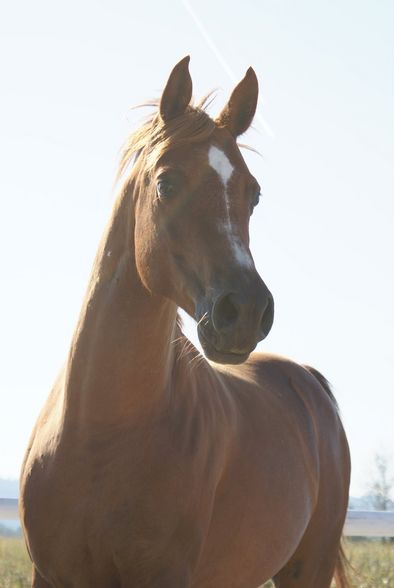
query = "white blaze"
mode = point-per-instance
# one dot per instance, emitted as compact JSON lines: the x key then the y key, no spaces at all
{"x":221,"y":164}
{"x":219,"y":161}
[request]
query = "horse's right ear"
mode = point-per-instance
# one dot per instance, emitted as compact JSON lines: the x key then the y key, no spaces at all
{"x":178,"y":91}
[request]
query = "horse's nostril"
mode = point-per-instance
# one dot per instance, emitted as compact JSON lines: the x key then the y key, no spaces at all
{"x":267,"y":319}
{"x":225,"y":313}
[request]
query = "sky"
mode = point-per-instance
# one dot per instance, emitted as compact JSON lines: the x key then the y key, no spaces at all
{"x":322,"y":237}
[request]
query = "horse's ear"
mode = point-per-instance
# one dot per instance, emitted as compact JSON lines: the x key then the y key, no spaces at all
{"x":239,"y":111}
{"x":178,"y":91}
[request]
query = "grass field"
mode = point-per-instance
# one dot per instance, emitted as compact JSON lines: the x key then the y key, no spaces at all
{"x":373,"y":560}
{"x":15,"y":566}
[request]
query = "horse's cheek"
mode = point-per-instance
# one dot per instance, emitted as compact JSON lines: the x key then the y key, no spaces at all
{"x":151,"y":261}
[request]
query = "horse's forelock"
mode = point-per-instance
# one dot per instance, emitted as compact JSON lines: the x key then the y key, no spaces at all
{"x":154,"y":137}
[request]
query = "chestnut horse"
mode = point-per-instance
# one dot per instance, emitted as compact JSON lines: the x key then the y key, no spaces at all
{"x":150,"y":466}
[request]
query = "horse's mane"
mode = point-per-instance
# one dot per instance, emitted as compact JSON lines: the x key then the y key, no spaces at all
{"x":155,"y":137}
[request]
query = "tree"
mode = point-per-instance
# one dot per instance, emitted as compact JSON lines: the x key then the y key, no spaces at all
{"x":382,"y":484}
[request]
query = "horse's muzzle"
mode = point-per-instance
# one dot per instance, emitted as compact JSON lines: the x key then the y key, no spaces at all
{"x":231,"y":325}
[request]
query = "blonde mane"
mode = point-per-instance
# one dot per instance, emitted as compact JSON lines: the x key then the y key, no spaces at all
{"x":155,"y":137}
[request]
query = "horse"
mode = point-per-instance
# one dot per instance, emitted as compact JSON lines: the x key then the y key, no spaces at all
{"x":152,"y":465}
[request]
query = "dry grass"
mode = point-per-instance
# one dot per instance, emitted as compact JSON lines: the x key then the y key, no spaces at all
{"x":15,"y":566}
{"x":373,"y":560}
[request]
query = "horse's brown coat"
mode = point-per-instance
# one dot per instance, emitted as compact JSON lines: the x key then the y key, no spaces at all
{"x":149,"y":466}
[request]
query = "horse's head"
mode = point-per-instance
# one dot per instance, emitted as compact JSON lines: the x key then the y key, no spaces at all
{"x":193,"y":199}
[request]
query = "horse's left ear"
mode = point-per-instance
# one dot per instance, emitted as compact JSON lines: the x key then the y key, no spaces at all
{"x":178,"y":91}
{"x":239,"y":111}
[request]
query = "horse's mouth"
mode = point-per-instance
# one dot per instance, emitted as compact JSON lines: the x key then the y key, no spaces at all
{"x":225,"y":356}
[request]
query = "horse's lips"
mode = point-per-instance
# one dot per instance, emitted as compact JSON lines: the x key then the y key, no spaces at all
{"x":220,"y":356}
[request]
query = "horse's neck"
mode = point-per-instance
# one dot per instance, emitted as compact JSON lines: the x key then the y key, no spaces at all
{"x":121,"y":356}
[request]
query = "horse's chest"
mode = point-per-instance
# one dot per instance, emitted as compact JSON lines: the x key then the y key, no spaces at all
{"x":112,"y":501}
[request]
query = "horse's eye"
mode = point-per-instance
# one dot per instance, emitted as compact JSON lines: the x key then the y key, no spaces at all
{"x":164,"y":189}
{"x":254,"y":202}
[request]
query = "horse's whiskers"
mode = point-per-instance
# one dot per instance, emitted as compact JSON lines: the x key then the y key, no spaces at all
{"x":204,"y":316}
{"x":195,"y":361}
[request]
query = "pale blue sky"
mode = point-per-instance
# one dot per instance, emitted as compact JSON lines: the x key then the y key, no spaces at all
{"x":322,"y":238}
